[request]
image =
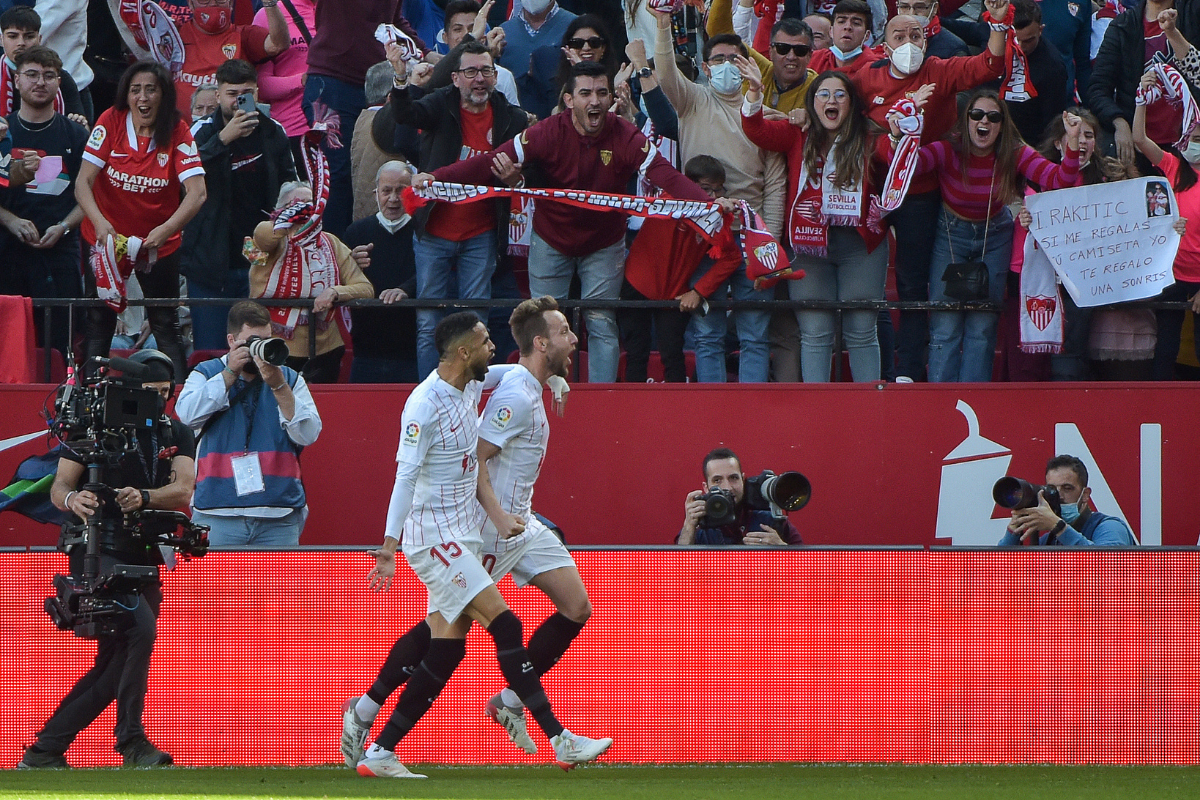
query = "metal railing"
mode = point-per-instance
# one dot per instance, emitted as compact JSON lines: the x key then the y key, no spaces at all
{"x":575,"y":307}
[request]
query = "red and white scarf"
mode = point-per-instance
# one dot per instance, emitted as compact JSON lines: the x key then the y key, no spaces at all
{"x":768,"y":12}
{"x":1174,"y":88}
{"x":113,"y":261}
{"x":8,"y":90}
{"x":764,"y":255}
{"x":1041,"y":303}
{"x":1017,"y":86}
{"x":820,"y":204}
{"x":307,"y":264}
{"x":706,"y":217}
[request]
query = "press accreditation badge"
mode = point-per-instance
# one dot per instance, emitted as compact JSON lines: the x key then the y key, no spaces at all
{"x":247,"y":474}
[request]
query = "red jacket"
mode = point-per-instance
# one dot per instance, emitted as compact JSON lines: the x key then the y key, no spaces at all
{"x":880,"y":90}
{"x":666,"y":253}
{"x":782,"y":136}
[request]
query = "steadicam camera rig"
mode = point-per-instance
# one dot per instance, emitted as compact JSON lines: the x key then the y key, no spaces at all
{"x":97,"y":416}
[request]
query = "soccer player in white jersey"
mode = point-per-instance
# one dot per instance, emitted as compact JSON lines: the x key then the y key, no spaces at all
{"x":513,"y":434}
{"x":433,"y":519}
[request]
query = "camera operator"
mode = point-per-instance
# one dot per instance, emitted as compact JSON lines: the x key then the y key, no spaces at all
{"x":753,"y":527}
{"x":252,"y":420}
{"x":1079,"y":525}
{"x":160,"y":474}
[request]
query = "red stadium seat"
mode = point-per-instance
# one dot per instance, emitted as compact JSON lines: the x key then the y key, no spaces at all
{"x":58,"y":365}
{"x":654,"y":367}
{"x":203,"y":355}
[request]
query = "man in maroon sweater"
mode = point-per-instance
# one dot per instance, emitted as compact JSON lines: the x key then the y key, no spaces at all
{"x":584,"y":147}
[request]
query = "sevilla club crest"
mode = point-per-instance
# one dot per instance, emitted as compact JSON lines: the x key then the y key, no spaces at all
{"x":1040,"y":310}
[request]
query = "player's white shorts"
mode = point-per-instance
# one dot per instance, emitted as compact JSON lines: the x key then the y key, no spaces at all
{"x":538,"y":550}
{"x":451,"y":572}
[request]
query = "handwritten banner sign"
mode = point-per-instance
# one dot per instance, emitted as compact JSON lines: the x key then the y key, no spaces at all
{"x":1109,"y":242}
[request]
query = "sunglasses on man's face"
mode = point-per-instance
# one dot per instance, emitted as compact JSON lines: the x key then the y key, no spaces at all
{"x":783,"y":48}
{"x":977,"y":114}
{"x":594,"y":42}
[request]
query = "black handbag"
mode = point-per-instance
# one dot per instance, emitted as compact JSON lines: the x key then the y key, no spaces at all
{"x":967,"y":281}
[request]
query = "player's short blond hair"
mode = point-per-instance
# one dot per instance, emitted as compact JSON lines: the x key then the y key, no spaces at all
{"x":529,"y":320}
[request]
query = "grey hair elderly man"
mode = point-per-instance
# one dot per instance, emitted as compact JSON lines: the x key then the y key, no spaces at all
{"x":385,"y":339}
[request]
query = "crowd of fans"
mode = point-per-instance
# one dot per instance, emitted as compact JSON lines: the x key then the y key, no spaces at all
{"x":121,"y":177}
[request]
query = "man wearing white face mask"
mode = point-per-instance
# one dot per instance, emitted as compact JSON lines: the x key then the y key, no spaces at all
{"x":904,"y":70}
{"x":1079,"y":525}
{"x":710,"y":123}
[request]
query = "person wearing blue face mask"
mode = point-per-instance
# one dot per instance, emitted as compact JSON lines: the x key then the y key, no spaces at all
{"x":1079,"y":525}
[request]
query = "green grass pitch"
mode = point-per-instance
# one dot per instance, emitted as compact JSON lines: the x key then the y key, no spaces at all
{"x":617,"y":782}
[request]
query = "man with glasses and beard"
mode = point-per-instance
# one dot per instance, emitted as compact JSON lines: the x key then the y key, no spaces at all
{"x":456,"y":122}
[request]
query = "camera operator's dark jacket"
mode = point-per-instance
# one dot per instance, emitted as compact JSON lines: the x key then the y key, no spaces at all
{"x":206,"y":239}
{"x":439,"y":116}
{"x":749,"y":520}
{"x":171,"y":439}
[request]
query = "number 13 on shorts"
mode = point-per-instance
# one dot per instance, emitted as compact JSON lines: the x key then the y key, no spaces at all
{"x":446,"y":552}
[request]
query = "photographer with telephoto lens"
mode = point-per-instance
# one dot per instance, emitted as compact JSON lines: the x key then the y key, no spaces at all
{"x":252,"y":417}
{"x":155,"y":471}
{"x":722,"y":512}
{"x":1059,"y":511}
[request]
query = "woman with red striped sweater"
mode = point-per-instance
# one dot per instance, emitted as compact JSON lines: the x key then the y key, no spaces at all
{"x":980,"y":170}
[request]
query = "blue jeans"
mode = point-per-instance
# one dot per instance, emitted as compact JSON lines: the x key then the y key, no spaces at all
{"x":916,"y":225}
{"x":962,"y":344}
{"x":600,"y":276}
{"x":347,"y":101}
{"x":208,"y":322}
{"x":848,"y":272}
{"x":234,"y":532}
{"x":754,"y":342}
{"x":473,"y":260}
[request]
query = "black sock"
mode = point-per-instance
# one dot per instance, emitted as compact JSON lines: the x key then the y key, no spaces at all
{"x":518,"y":670}
{"x":401,"y":662}
{"x":551,"y":640}
{"x":423,"y":687}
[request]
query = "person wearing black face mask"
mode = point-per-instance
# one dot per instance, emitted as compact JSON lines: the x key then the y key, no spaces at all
{"x":1079,"y":525}
{"x":159,"y":473}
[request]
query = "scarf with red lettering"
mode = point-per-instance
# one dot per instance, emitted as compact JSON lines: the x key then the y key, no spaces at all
{"x":113,"y":262}
{"x":1017,"y":85}
{"x":1041,"y":303}
{"x":8,"y":90}
{"x":706,"y":217}
{"x":819,"y":203}
{"x":307,"y":264}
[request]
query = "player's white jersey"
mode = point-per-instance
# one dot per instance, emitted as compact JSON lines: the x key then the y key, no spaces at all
{"x":439,"y":432}
{"x":515,"y":421}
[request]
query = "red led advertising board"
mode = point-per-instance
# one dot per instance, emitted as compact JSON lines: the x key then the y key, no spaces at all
{"x":903,"y":655}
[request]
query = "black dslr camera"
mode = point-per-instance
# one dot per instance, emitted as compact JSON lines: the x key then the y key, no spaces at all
{"x":766,"y":491}
{"x":1014,"y":493}
{"x":98,"y":418}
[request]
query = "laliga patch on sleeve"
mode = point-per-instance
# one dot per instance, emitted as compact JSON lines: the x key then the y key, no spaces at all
{"x":187,"y":148}
{"x":97,"y":137}
{"x":502,"y":417}
{"x":412,"y":435}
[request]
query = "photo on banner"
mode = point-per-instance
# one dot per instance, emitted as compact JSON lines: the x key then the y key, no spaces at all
{"x":1109,"y":242}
